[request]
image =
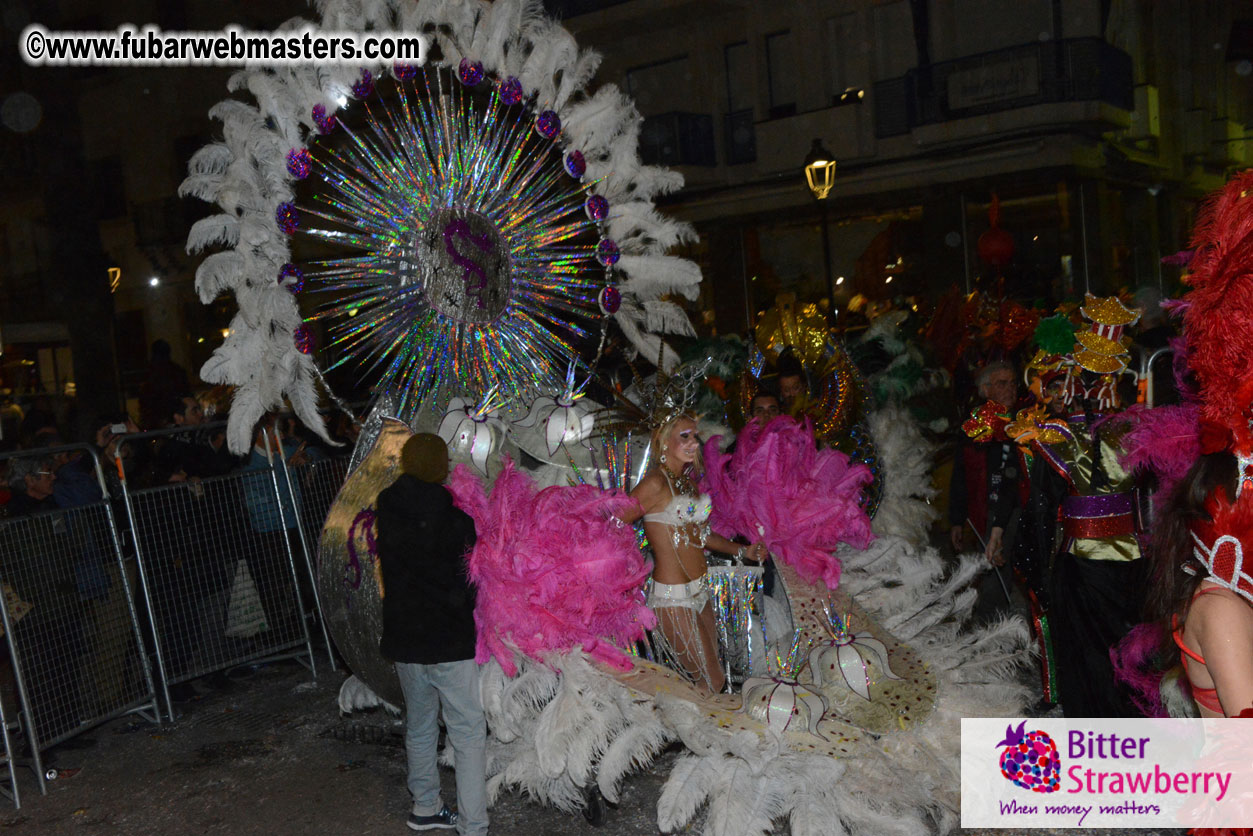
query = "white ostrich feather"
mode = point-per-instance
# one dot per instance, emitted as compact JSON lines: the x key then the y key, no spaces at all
{"x":500,"y":23}
{"x":355,"y":695}
{"x":211,"y":159}
{"x":905,"y":509}
{"x":599,"y":119}
{"x":685,"y":791}
{"x":575,"y":726}
{"x":639,"y":228}
{"x":217,"y":273}
{"x":555,"y":50}
{"x":634,"y":748}
{"x":574,"y":78}
{"x":666,"y":318}
{"x":1177,"y":699}
{"x":814,"y":814}
{"x":652,"y":276}
{"x":742,"y":802}
{"x":203,"y":186}
{"x":630,"y":321}
{"x":303,"y":395}
{"x":215,"y":230}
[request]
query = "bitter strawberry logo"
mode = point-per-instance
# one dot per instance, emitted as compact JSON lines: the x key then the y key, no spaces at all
{"x":1030,"y":760}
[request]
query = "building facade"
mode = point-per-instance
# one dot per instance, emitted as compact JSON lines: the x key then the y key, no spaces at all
{"x":1097,"y":124}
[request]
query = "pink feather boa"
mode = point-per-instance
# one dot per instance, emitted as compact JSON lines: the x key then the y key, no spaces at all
{"x":800,"y":501}
{"x":553,"y":569}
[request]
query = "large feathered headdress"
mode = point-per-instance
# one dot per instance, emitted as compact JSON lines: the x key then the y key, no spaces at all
{"x":1218,"y":321}
{"x":1218,"y":324}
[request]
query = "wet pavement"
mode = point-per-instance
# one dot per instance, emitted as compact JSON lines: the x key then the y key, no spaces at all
{"x":270,"y":755}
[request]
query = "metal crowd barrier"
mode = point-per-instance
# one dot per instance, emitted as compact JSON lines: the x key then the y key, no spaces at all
{"x":317,"y":482}
{"x":187,"y":577}
{"x":10,"y":792}
{"x":68,"y":611}
{"x":218,"y":558}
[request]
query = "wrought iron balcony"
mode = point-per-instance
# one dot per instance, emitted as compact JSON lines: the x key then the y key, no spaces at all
{"x":1070,"y":70}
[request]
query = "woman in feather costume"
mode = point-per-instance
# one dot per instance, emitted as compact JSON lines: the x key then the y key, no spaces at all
{"x":1207,"y":527}
{"x":676,"y":520}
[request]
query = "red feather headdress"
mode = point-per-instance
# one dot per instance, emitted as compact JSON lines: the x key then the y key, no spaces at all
{"x":1218,"y":325}
{"x":1218,"y":322}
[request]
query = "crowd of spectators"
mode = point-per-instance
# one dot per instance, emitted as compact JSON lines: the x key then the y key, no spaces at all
{"x":65,"y":586}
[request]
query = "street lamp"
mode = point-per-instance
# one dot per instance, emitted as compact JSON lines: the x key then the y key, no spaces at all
{"x":820,"y":175}
{"x":820,"y":170}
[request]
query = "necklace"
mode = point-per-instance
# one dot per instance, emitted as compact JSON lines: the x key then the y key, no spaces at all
{"x":681,"y":484}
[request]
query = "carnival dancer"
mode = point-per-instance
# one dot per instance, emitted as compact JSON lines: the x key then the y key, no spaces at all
{"x":676,"y":522}
{"x":1201,"y":591}
{"x":1095,"y":581}
{"x":1199,"y":597}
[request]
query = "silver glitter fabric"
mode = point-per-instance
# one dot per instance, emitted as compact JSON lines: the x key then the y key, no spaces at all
{"x":384,"y":407}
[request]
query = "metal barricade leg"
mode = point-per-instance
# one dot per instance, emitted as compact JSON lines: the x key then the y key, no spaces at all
{"x":307,"y":551}
{"x":146,"y":586}
{"x":24,"y":706}
{"x":10,"y":762}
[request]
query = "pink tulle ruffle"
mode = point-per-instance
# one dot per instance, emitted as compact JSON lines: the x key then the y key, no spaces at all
{"x":553,"y":569}
{"x":802,"y":502}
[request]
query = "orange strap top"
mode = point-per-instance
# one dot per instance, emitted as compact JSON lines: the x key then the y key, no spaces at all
{"x":1205,"y":697}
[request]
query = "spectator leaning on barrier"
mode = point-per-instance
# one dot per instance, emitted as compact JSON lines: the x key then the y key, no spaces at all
{"x":35,"y":561}
{"x":428,"y":631}
{"x":274,"y":523}
{"x":33,"y":481}
{"x":188,"y":456}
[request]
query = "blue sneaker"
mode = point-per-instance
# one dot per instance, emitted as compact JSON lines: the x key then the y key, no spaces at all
{"x":443,"y":820}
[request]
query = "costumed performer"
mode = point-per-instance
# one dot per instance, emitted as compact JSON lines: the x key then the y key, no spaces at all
{"x":1096,"y":574}
{"x":676,"y":521}
{"x":1207,"y":527}
{"x":1199,"y":595}
{"x":429,"y":633}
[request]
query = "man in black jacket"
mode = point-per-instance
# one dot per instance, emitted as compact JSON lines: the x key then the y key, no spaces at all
{"x":428,"y":631}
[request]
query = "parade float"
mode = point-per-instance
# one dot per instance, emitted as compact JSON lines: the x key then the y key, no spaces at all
{"x":479,"y":231}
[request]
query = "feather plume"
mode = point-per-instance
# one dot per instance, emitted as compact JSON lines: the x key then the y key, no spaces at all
{"x":778,"y":487}
{"x":1136,"y":661}
{"x":905,"y":508}
{"x":355,"y":695}
{"x":554,"y":569}
{"x":213,"y":231}
{"x":636,"y":747}
{"x":666,"y":318}
{"x":1219,"y":319}
{"x":689,"y":784}
{"x":211,"y":159}
{"x":1164,"y":441}
{"x":651,"y":276}
{"x":217,"y":273}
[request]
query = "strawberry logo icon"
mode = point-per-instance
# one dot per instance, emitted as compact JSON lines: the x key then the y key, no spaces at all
{"x":1030,"y":760}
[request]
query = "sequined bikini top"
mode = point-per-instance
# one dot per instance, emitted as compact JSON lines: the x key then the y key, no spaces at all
{"x":683,"y":510}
